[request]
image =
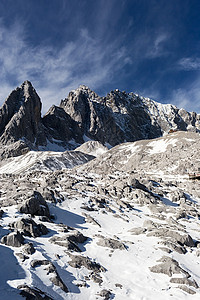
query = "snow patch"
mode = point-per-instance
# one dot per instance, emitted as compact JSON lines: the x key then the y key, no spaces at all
{"x":161,"y":145}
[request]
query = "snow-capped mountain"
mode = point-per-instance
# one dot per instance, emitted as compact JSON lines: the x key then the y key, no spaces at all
{"x":83,"y":115}
{"x":106,"y":220}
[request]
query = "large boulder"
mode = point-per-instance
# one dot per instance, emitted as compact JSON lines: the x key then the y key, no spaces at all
{"x":29,"y":227}
{"x":13,"y":239}
{"x":35,"y":205}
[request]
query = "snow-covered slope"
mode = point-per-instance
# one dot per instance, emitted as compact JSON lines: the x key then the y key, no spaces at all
{"x":43,"y":161}
{"x":125,"y":225}
{"x":93,"y":148}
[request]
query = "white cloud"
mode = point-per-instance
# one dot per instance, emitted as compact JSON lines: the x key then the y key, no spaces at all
{"x":189,"y":98}
{"x":189,"y":63}
{"x":156,"y":47}
{"x":54,"y":72}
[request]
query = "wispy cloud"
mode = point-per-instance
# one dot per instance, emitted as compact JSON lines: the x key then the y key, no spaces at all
{"x":189,"y":63}
{"x":187,"y":98}
{"x":54,"y":72}
{"x":157,"y":45}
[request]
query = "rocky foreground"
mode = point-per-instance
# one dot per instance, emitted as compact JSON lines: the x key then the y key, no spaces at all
{"x":123,"y":225}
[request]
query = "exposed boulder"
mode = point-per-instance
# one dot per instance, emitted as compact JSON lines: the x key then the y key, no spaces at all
{"x":35,"y":205}
{"x":29,"y":227}
{"x":105,"y":294}
{"x":1,"y":213}
{"x":69,"y":240}
{"x":13,"y":239}
{"x":78,"y":261}
{"x":51,"y":269}
{"x":110,"y":243}
{"x":29,"y":248}
{"x":174,"y":236}
{"x":184,"y":281}
{"x":32,"y":293}
{"x":169,"y":267}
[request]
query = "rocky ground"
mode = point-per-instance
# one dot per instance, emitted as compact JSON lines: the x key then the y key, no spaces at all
{"x":124,"y":225}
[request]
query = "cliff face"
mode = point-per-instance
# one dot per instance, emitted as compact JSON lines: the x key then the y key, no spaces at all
{"x":83,"y":115}
{"x":20,"y":116}
{"x":121,"y":117}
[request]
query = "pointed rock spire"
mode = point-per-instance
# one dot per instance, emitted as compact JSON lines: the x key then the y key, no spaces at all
{"x":20,"y":115}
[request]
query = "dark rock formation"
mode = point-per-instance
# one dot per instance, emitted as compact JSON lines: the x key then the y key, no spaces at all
{"x":70,"y":240}
{"x":20,"y":116}
{"x":51,"y":269}
{"x":32,"y":293}
{"x":29,"y":248}
{"x":29,"y":227}
{"x":60,"y":126}
{"x":35,"y":205}
{"x":105,"y":294}
{"x":78,"y":261}
{"x":119,"y":117}
{"x":13,"y":239}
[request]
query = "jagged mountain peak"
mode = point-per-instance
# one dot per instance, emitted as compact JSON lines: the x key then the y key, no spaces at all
{"x":113,"y":119}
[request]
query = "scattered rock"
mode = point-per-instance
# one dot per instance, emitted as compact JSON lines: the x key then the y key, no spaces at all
{"x":105,"y":294}
{"x":66,"y":242}
{"x":78,"y":261}
{"x":33,"y":293}
{"x":22,"y":256}
{"x":56,"y":280}
{"x":51,"y":269}
{"x":110,"y":243}
{"x":169,"y":267}
{"x":119,"y":285}
{"x":35,"y":205}
{"x":185,"y":281}
{"x":13,"y":239}
{"x":29,"y":249}
{"x":36,"y":263}
{"x":29,"y":227}
{"x":90,"y":219}
{"x":187,"y":289}
{"x":137,"y":230}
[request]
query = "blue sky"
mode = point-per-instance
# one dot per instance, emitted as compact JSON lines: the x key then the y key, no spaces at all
{"x":150,"y":47}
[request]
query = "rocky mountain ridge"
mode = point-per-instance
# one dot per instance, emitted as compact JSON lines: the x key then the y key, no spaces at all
{"x":116,"y":118}
{"x":106,"y":219}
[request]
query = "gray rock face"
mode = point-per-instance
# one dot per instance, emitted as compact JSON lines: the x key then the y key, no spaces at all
{"x":32,"y":293}
{"x":78,"y":261}
{"x":105,"y":294}
{"x":119,"y":117}
{"x":61,"y":126}
{"x":29,"y":227}
{"x":35,"y":205}
{"x":110,"y":243}
{"x":20,"y":116}
{"x":169,"y":267}
{"x":13,"y":239}
{"x":70,"y":240}
{"x":29,"y":249}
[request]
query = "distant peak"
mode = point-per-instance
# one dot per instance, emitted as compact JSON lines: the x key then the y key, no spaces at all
{"x":26,"y":83}
{"x":83,"y":87}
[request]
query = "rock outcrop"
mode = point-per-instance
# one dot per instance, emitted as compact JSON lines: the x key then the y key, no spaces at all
{"x":35,"y":205}
{"x":20,"y":116}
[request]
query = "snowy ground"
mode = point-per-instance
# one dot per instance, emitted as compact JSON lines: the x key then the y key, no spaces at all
{"x":110,"y":206}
